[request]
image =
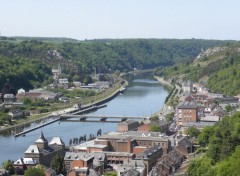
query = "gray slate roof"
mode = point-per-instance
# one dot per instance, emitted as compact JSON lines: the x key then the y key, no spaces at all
{"x":188,"y":105}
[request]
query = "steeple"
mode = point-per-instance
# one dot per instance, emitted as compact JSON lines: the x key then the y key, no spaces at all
{"x":41,"y":142}
{"x":42,"y":136}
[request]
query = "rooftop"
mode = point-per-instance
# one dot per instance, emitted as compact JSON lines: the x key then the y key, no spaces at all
{"x":188,"y":105}
{"x":32,"y":149}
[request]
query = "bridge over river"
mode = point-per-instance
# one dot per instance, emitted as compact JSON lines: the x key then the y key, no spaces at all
{"x":101,"y":117}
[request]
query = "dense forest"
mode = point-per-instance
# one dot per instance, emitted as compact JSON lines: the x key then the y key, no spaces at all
{"x":27,"y":64}
{"x":219,"y":70}
{"x":223,"y":144}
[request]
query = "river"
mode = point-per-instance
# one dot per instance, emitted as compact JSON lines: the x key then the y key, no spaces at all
{"x":143,"y":97}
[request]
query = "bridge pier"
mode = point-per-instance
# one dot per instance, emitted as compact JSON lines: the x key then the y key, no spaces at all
{"x":103,"y":119}
{"x":123,"y":119}
{"x":83,"y":119}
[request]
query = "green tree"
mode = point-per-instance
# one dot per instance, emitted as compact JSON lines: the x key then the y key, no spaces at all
{"x":8,"y":165}
{"x":110,"y":174}
{"x":58,"y":165}
{"x":229,"y":166}
{"x":201,"y":166}
{"x":155,"y":128}
{"x":204,"y":136}
{"x":34,"y":171}
{"x":154,"y":118}
{"x":193,"y":132}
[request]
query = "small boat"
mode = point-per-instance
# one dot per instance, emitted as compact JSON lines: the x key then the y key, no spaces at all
{"x":23,"y":135}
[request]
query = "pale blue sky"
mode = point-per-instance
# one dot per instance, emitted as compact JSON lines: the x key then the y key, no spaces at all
{"x":92,"y":19}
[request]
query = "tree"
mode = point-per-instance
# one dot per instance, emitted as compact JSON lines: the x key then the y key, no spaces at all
{"x":154,"y":118}
{"x":231,"y":165}
{"x":58,"y":165}
{"x":8,"y":165}
{"x":169,"y":117}
{"x":204,"y":136}
{"x":34,"y":171}
{"x":155,"y":128}
{"x":201,"y":166}
{"x":193,"y":132}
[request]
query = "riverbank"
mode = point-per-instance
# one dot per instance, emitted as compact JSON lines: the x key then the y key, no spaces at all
{"x":97,"y":100}
{"x":163,"y":81}
{"x":165,"y":109}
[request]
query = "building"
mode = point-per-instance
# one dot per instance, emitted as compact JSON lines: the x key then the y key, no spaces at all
{"x":83,"y":171}
{"x":185,"y":146}
{"x":63,"y":82}
{"x":125,"y":142}
{"x":132,"y":168}
{"x":127,"y":125}
{"x":9,"y":98}
{"x":118,"y":157}
{"x":150,"y":156}
{"x":24,"y":162}
{"x":96,"y":161}
{"x":43,"y":152}
{"x":92,"y":146}
{"x":169,"y":163}
{"x":16,"y":113}
{"x":187,"y":112}
{"x":187,"y":87}
{"x":144,"y":127}
{"x":79,"y":160}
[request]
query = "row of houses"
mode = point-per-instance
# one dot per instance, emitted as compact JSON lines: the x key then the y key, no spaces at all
{"x":200,"y":108}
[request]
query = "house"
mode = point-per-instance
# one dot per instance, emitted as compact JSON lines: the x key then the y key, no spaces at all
{"x":43,"y":152}
{"x":78,"y":160}
{"x":9,"y":98}
{"x":150,"y":156}
{"x":83,"y":171}
{"x":185,"y":146}
{"x":187,"y":87}
{"x":24,"y":162}
{"x":118,"y":157}
{"x":144,"y":127}
{"x":16,"y":113}
{"x":127,"y":125}
{"x":170,"y":162}
{"x":21,"y":91}
{"x":187,"y":112}
{"x":131,"y":168}
{"x":63,"y":82}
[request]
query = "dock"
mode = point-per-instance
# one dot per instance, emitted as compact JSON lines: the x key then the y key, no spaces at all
{"x":37,"y":127}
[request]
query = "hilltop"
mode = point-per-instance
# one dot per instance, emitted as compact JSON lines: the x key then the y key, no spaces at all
{"x":216,"y":67}
{"x":28,"y":64}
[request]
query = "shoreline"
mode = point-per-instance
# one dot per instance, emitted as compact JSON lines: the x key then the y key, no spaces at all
{"x":70,"y":110}
{"x":163,"y":110}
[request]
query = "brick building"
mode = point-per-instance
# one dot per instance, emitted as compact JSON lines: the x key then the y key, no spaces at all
{"x":125,"y":142}
{"x":187,"y":112}
{"x":150,"y":156}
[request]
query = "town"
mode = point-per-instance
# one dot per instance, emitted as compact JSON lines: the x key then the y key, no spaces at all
{"x":164,"y":144}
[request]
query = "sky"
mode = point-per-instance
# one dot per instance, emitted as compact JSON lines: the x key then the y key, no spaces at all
{"x":98,"y":19}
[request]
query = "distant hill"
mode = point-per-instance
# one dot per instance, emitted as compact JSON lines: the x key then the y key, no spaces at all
{"x":27,"y":61}
{"x":217,"y":67}
{"x":43,"y":39}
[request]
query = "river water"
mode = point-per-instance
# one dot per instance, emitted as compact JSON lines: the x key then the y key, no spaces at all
{"x":143,"y":97}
